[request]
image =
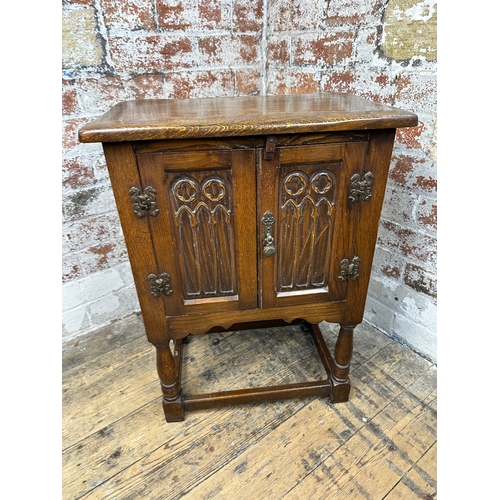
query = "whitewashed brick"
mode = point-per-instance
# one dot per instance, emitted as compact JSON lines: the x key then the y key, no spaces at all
{"x":379,"y":315}
{"x":403,"y":300}
{"x":399,"y":205}
{"x":75,"y":321}
{"x":85,"y":202}
{"x":72,"y":295}
{"x":101,"y":284}
{"x":104,"y":310}
{"x":421,"y":338}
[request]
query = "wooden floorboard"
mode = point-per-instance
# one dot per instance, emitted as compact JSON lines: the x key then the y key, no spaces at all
{"x":116,"y":444}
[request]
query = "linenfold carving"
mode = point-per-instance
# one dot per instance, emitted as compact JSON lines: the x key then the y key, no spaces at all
{"x":306,"y":228}
{"x":203,"y":216}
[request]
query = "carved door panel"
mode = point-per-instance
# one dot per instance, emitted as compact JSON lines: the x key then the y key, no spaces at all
{"x":304,"y":220}
{"x":204,"y":233}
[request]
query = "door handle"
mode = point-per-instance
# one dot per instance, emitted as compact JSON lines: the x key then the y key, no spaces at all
{"x":268,"y":223}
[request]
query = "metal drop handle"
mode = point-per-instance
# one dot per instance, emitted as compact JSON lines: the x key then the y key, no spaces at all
{"x":268,"y":223}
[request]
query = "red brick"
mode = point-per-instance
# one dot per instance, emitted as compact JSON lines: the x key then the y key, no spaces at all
{"x":100,"y":94}
{"x":249,"y":49}
{"x":80,"y":2}
{"x":128,"y":14}
{"x":410,"y":243}
{"x":100,"y":257}
{"x":77,"y":172}
{"x":210,"y":14}
{"x":373,"y":85}
{"x":398,"y":205}
{"x":176,"y":16}
{"x":69,"y":99}
{"x":427,"y":214}
{"x":388,"y":263}
{"x":248,"y":81}
{"x":214,"y":49}
{"x":101,"y":169}
{"x":391,"y":271}
{"x":83,"y":233}
{"x":278,"y":50}
{"x":411,"y":137}
{"x":416,"y":92}
{"x":147,"y":86}
{"x":414,"y":172}
{"x":420,"y":280}
{"x":155,"y":52}
{"x":200,"y":84}
{"x":70,"y":268}
{"x":192,"y":14}
{"x":294,"y":14}
{"x":323,"y":49}
{"x":290,"y":81}
{"x":338,"y":81}
{"x":70,"y":131}
{"x":227,"y":50}
{"x":247,"y":16}
{"x":351,"y":12}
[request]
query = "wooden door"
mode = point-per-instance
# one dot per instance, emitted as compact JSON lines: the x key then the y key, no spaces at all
{"x":304,"y":190}
{"x":204,"y":234}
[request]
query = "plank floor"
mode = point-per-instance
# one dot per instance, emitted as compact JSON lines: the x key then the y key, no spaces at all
{"x":116,"y":444}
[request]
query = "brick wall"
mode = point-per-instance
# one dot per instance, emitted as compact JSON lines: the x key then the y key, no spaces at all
{"x":384,"y":50}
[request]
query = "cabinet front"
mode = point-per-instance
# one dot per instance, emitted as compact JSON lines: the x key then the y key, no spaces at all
{"x":204,"y":232}
{"x":238,"y":228}
{"x":304,"y":228}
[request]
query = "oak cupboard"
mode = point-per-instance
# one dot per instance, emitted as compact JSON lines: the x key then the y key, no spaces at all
{"x":242,"y":212}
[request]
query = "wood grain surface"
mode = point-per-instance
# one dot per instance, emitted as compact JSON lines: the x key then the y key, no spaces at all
{"x":153,"y":119}
{"x":117,"y":445}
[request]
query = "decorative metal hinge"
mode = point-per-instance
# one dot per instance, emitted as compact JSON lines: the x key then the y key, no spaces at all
{"x":144,"y":202}
{"x":349,"y":269}
{"x":160,"y":285}
{"x":361,"y":187}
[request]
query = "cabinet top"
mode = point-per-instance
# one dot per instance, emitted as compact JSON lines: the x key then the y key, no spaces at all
{"x":153,"y":119}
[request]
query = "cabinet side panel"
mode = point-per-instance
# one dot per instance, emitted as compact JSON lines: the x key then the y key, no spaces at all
{"x":124,"y":175}
{"x":366,"y":217}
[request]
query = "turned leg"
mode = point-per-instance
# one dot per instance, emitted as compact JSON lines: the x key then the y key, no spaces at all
{"x":168,"y":364}
{"x":341,"y":385}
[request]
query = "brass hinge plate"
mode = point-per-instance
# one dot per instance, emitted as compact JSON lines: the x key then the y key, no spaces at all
{"x":160,"y":285}
{"x":144,"y":202}
{"x":361,"y":187}
{"x":349,"y":269}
